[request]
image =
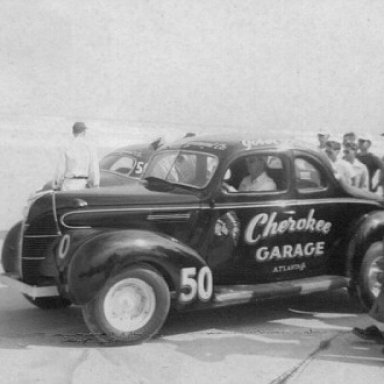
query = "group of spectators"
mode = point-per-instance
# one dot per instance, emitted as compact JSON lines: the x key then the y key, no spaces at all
{"x":357,"y":166}
{"x":353,"y":162}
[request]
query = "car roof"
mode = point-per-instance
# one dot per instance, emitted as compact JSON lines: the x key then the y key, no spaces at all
{"x":236,"y":143}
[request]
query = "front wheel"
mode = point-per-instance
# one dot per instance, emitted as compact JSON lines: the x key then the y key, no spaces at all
{"x":371,"y":274}
{"x":130,"y":308}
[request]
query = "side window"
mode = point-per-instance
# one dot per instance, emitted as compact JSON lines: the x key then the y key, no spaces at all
{"x":256,"y":173}
{"x":308,"y":176}
{"x":123,"y":165}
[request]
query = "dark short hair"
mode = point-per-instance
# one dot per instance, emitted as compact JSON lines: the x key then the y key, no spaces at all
{"x":333,"y":145}
{"x":349,"y":134}
{"x":78,"y":127}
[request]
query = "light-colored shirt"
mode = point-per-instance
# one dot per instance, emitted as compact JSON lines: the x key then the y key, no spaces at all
{"x":344,"y":171}
{"x":261,"y":183}
{"x":361,"y":175}
{"x":78,"y":159}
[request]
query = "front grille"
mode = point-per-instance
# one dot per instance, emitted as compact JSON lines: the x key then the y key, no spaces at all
{"x":35,"y":250}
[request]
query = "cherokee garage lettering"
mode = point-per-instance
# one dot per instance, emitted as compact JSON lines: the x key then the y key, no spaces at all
{"x":264,"y":225}
{"x":289,"y":251}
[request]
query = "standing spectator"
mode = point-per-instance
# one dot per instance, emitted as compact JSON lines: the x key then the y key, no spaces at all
{"x":322,"y":136}
{"x":349,"y":137}
{"x":78,"y":167}
{"x":371,"y":161}
{"x":360,"y":170}
{"x":343,"y":170}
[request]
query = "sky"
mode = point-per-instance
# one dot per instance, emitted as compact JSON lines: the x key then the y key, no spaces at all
{"x":267,"y":65}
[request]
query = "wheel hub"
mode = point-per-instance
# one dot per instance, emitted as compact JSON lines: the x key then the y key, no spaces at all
{"x":375,"y":276}
{"x":129,"y":304}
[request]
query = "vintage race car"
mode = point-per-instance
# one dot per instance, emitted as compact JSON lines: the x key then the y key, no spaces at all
{"x":188,"y":235}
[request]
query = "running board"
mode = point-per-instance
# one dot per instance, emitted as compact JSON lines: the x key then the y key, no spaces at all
{"x":29,"y":290}
{"x":238,"y":294}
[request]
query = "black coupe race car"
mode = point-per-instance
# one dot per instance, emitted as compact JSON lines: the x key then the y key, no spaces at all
{"x":187,"y":235}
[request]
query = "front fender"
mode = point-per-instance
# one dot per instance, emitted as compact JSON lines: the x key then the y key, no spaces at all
{"x":110,"y":252}
{"x":367,"y":231}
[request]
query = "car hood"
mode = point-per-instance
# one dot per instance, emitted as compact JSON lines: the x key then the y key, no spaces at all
{"x":135,"y":194}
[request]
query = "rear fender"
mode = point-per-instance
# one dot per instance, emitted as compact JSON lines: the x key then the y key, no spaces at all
{"x":108,"y":253}
{"x":368,"y":230}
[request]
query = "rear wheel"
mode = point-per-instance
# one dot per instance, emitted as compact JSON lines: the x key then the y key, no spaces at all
{"x":51,"y":302}
{"x":371,"y":274}
{"x":130,"y":308}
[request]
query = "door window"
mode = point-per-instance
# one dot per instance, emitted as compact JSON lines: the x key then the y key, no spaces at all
{"x":256,"y":173}
{"x":308,"y":176}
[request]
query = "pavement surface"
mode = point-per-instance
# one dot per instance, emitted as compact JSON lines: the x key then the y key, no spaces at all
{"x":299,"y":340}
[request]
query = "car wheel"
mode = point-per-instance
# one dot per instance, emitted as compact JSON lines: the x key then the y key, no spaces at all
{"x":51,"y":302}
{"x":371,"y":274}
{"x":130,"y":308}
{"x":11,"y":248}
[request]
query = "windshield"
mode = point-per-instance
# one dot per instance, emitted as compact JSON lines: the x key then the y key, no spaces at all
{"x":190,"y":168}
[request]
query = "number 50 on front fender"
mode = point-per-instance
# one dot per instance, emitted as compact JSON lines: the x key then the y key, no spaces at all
{"x":195,"y":284}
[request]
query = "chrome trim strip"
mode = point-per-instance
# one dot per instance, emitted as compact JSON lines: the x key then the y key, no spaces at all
{"x":39,"y":236}
{"x":54,"y":213}
{"x":131,"y":210}
{"x":32,"y":258}
{"x":171,"y":216}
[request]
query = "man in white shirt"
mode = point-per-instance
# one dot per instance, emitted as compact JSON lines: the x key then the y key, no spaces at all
{"x":258,"y":180}
{"x":361,"y":171}
{"x":342,"y":169}
{"x":78,"y":166}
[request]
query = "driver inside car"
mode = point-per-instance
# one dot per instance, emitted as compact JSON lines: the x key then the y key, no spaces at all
{"x":257,"y":180}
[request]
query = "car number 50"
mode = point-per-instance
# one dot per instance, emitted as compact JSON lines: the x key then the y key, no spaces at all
{"x":196,"y":284}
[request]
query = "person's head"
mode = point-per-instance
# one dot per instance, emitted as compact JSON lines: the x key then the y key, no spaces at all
{"x":350,"y":150}
{"x":322,"y":136}
{"x":332,"y":149}
{"x":255,"y":165}
{"x":349,"y":137}
{"x":79,"y":129}
{"x":364,"y":143}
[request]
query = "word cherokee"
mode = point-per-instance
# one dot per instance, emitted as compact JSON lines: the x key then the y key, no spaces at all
{"x":264,"y":225}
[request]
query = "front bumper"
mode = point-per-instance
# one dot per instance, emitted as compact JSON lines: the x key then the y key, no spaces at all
{"x":32,"y":291}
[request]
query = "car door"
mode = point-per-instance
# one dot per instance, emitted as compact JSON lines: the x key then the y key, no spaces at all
{"x":237,"y":253}
{"x":286,"y":233}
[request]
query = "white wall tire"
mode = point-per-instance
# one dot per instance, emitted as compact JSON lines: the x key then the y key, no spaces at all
{"x":130,"y":308}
